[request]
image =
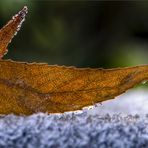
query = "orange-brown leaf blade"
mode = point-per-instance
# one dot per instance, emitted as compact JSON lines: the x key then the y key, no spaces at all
{"x":10,"y":29}
{"x":29,"y":88}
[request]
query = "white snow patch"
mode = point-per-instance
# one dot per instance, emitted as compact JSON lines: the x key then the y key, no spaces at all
{"x":131,"y":102}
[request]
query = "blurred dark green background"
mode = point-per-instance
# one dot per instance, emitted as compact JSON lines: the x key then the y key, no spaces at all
{"x":80,"y":33}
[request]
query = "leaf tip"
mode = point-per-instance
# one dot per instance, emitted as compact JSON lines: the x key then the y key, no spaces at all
{"x":11,"y":29}
{"x":23,"y":12}
{"x":20,"y":16}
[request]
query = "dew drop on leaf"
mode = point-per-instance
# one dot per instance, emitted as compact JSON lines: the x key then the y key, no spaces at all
{"x":144,"y":82}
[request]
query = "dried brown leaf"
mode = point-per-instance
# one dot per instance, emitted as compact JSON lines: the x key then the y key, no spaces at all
{"x":11,"y":29}
{"x":28,"y":88}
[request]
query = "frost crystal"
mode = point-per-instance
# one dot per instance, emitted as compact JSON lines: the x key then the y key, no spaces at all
{"x":21,"y":15}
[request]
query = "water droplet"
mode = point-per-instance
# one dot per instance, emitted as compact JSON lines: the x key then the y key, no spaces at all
{"x":143,"y":82}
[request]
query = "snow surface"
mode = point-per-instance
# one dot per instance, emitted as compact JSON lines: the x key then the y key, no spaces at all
{"x":87,"y":129}
{"x":132,"y":102}
{"x":73,"y":131}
